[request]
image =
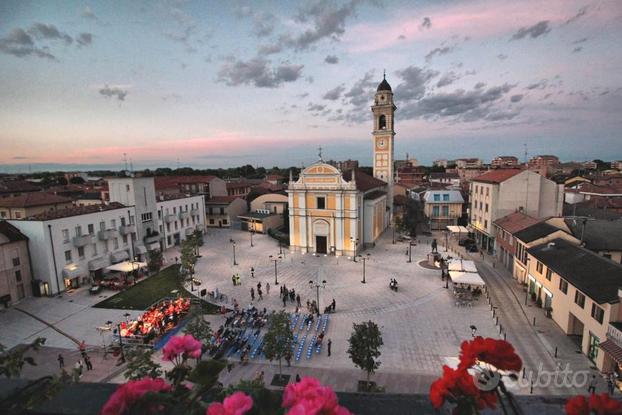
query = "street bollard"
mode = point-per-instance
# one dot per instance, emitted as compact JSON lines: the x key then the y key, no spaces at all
{"x":497,"y":322}
{"x":494,"y":312}
{"x":556,"y":351}
{"x":500,"y":326}
{"x":531,"y":388}
{"x":504,"y":335}
{"x":523,"y":372}
{"x":534,"y":321}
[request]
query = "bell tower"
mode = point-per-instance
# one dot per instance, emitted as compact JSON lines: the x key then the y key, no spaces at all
{"x":383,"y":133}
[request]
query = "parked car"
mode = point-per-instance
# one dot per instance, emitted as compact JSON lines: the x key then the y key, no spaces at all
{"x":472,"y":248}
{"x":466,"y":242}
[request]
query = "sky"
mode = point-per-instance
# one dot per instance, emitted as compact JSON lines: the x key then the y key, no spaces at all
{"x":216,"y":84}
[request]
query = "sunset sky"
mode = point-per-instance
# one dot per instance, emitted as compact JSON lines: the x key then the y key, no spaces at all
{"x":216,"y":84}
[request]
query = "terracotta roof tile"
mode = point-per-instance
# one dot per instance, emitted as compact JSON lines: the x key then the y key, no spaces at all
{"x":364,"y":181}
{"x":515,"y":222}
{"x":497,"y":176}
{"x":221,"y":200}
{"x":11,"y":232}
{"x":75,"y":211}
{"x":33,"y":199}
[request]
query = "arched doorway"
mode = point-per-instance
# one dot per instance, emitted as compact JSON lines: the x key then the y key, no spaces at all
{"x":321,"y":230}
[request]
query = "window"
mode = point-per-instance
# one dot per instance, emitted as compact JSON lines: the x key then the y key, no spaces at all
{"x":486,"y":223}
{"x":549,"y":273}
{"x":222,"y":210}
{"x":124,"y":239}
{"x":445,"y":211}
{"x":115,"y":243}
{"x":78,"y":230}
{"x":445,"y":198}
{"x":113,"y":224}
{"x":435,"y":210}
{"x":487,"y":191}
{"x":437,"y":198}
{"x":102,"y":225}
{"x":579,"y":299}
{"x":81,"y":252}
{"x":486,"y":210}
{"x":146,"y":217}
{"x":159,"y":214}
{"x":563,"y":286}
{"x":67,"y":256}
{"x":211,"y":221}
{"x":122,"y":221}
{"x":18,"y":275}
{"x":18,"y":215}
{"x":16,"y":261}
{"x":131,"y":219}
{"x":127,"y":187}
{"x":321,"y":202}
{"x":65,"y":235}
{"x":168,"y":227}
{"x":94,"y":249}
{"x":174,"y":210}
{"x":224,"y":222}
{"x":91,"y":228}
{"x":539,"y":267}
{"x":3,"y":214}
{"x":598,"y":313}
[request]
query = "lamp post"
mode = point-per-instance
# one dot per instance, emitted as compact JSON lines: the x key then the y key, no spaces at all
{"x":252,"y":231}
{"x":355,"y":242}
{"x":446,"y":243}
{"x":527,"y":279}
{"x":410,"y":250}
{"x":275,"y":260}
{"x":121,"y":343}
{"x":232,"y":242}
{"x":364,"y":259}
{"x":280,"y":247}
{"x":317,"y":285}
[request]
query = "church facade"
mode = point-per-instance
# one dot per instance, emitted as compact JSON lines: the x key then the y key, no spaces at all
{"x":335,"y":212}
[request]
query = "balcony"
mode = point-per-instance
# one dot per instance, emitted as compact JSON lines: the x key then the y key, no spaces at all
{"x":169,"y":218}
{"x":184,"y":215}
{"x":127,"y":229}
{"x":152,"y":238}
{"x":83,"y":240}
{"x":108,"y":234}
{"x":195,"y":211}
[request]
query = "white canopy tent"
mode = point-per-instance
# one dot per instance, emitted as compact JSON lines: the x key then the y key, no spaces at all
{"x":469,"y":278}
{"x":462,"y":265}
{"x":126,"y":266}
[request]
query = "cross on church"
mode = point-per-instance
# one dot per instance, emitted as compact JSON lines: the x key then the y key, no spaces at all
{"x":319,"y":149}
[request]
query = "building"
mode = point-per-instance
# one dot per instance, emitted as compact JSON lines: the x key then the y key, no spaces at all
{"x":30,"y":204}
{"x":505,"y":243}
{"x":89,"y":198}
{"x":441,"y":163}
{"x":15,"y":275}
{"x":590,"y":165}
{"x":616,"y":164}
{"x":272,"y":202}
{"x":239,"y":188}
{"x":603,"y":237}
{"x":469,"y":163}
{"x":500,"y":192}
{"x":260,"y":221}
{"x":504,"y":162}
{"x":204,"y":184}
{"x":546,"y":165}
{"x":69,"y":247}
{"x":9,"y":188}
{"x":179,"y":216}
{"x":339,"y":213}
{"x":410,"y":176}
{"x":222,"y":211}
{"x":451,"y":179}
{"x":442,"y":208}
{"x":578,"y":289}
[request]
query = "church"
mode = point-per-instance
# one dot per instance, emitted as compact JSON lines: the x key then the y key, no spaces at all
{"x":340,"y":212}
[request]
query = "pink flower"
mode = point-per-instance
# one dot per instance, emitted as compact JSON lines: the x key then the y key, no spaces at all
{"x":127,"y":394}
{"x":187,"y":346}
{"x":310,"y":397}
{"x":236,"y":404}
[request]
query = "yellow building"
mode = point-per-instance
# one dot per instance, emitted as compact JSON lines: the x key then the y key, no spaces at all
{"x":340,"y":212}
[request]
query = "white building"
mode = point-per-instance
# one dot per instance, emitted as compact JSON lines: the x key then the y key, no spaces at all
{"x":69,"y":246}
{"x":179,"y":216}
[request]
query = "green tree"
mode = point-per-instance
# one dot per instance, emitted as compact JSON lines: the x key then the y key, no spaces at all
{"x":154,"y":263}
{"x":76,"y":180}
{"x":365,"y":342}
{"x":188,"y":255}
{"x":279,"y":338}
{"x":199,"y":328}
{"x":12,"y":361}
{"x":140,"y":364}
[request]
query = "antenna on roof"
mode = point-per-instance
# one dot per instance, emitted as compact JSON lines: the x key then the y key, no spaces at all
{"x":131,"y":167}
{"x":384,"y":74}
{"x":125,"y":160}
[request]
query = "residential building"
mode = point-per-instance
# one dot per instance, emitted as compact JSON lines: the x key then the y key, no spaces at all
{"x":466,"y":175}
{"x":613,"y":180}
{"x":69,"y":247}
{"x":469,"y":163}
{"x":449,"y":179}
{"x":441,"y":163}
{"x":89,"y":198}
{"x":578,"y":289}
{"x":504,"y":162}
{"x":30,"y":204}
{"x":203,"y":184}
{"x":239,"y":188}
{"x":272,"y":202}
{"x":410,"y":176}
{"x":274,"y":179}
{"x":502,"y":191}
{"x":345,"y":164}
{"x":15,"y":275}
{"x":9,"y":188}
{"x":505,"y":243}
{"x":222,"y":211}
{"x":598,"y":235}
{"x":546,"y":165}
{"x":179,"y":216}
{"x":590,"y":165}
{"x":260,"y":221}
{"x":616,"y":164}
{"x":442,"y":208}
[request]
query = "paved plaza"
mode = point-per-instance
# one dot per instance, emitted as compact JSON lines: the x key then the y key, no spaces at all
{"x":421,"y":325}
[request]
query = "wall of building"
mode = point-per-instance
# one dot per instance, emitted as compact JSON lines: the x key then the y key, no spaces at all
{"x":184,"y":220}
{"x":271,"y":202}
{"x":217,"y":187}
{"x":9,"y":283}
{"x":24,"y":212}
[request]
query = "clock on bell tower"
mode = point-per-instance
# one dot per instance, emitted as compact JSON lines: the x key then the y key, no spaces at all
{"x":383,"y":133}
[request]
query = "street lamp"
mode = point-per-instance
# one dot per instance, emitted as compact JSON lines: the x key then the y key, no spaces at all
{"x":410,"y":250}
{"x":317,"y":287}
{"x":232,"y":242}
{"x":252,"y":231}
{"x":446,"y":245}
{"x":275,"y":260}
{"x":355,"y":242}
{"x":364,"y":258}
{"x":527,"y":279}
{"x":120,"y":343}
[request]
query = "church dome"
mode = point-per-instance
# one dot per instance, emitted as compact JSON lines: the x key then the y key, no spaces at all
{"x":384,"y":86}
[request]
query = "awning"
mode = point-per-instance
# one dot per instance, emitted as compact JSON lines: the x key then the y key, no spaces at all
{"x":612,"y":349}
{"x":98,"y":263}
{"x":71,"y":271}
{"x":465,"y":266}
{"x":153,"y":246}
{"x":126,"y":266}
{"x":457,"y":229}
{"x":140,"y":249}
{"x":469,"y":278}
{"x":119,"y":256}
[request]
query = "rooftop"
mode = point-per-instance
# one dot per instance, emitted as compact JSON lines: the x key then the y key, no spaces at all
{"x":453,"y":196}
{"x":444,"y":175}
{"x":174,"y":196}
{"x":11,"y":186}
{"x":374,"y":195}
{"x":535,"y":231}
{"x":497,"y":176}
{"x":256,"y":215}
{"x":32,"y":199}
{"x":364,"y":181}
{"x":515,"y":222}
{"x":75,"y":211}
{"x":595,"y":276}
{"x":11,"y":232}
{"x":221,"y":200}
{"x":173,"y":182}
{"x":598,"y":235}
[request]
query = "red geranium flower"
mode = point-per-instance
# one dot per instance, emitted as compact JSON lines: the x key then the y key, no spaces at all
{"x":127,"y":394}
{"x":498,"y":353}
{"x":236,"y":404}
{"x":458,"y":386}
{"x":601,"y":404}
{"x":310,"y":397}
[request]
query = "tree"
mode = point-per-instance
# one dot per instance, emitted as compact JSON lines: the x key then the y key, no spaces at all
{"x":140,"y":364}
{"x":279,"y":338}
{"x":365,"y":342}
{"x":188,"y":255}
{"x":76,"y":180}
{"x":154,"y":262}
{"x":12,"y":361}
{"x":199,"y":328}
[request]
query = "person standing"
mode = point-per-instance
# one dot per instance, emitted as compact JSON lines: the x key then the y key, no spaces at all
{"x":233,"y":279}
{"x":591,"y":389}
{"x":61,"y":361}
{"x":284,"y":301}
{"x":259,"y":286}
{"x":297,"y":378}
{"x":611,"y":384}
{"x":87,"y":361}
{"x":252,"y":272}
{"x":329,"y":344}
{"x":333,"y":305}
{"x":298,"y":300}
{"x":267,"y":288}
{"x":260,"y":293}
{"x":252,"y":294}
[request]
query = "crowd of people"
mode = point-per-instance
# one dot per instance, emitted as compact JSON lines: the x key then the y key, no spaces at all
{"x":156,"y":321}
